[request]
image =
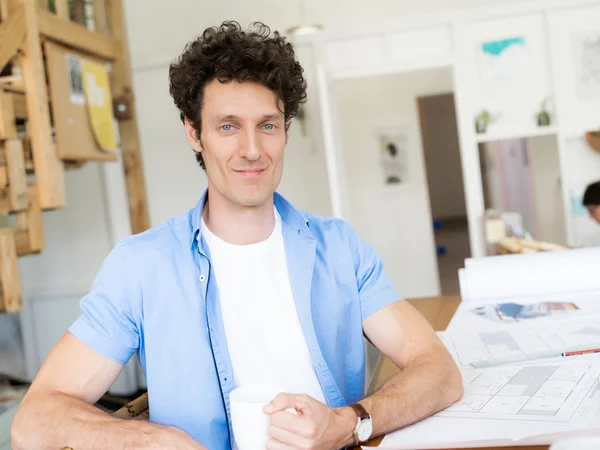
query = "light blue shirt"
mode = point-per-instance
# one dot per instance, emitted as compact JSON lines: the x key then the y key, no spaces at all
{"x":155,"y":295}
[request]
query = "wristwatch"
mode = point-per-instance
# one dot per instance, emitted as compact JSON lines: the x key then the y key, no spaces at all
{"x":364,"y":424}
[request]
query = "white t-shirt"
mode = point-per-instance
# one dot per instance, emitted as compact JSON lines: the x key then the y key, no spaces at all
{"x":264,"y":337}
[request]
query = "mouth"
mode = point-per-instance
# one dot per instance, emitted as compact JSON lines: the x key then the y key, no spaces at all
{"x":250,"y":173}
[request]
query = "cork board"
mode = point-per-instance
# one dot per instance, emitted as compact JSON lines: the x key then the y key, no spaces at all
{"x":75,"y":138}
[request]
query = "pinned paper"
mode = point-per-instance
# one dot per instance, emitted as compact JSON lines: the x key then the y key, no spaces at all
{"x":99,"y":104}
{"x":76,"y":94}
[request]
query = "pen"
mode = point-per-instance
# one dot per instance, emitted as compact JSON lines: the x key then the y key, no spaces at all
{"x":531,"y":357}
{"x":581,"y":352}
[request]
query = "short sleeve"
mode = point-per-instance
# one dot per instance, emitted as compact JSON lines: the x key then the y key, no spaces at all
{"x":375,"y":288}
{"x":107,"y":322}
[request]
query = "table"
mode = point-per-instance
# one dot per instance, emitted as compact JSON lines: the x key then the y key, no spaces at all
{"x":438,"y":311}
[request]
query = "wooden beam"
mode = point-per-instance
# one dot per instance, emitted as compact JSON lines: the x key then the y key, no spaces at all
{"x":19,"y":105}
{"x":3,"y":9}
{"x":128,"y":129}
{"x":16,"y":84}
{"x":12,"y":33}
{"x":3,"y":177}
{"x":62,"y":9}
{"x":76,"y":36}
{"x":49,"y":171}
{"x":8,"y":126}
{"x":78,"y":12}
{"x":4,"y":202}
{"x":100,"y":16}
{"x":17,"y":179}
{"x":28,"y":155}
{"x":10,"y":283}
{"x":12,"y":83}
{"x":30,"y":236}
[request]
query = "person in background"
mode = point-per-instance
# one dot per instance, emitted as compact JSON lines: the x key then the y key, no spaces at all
{"x":591,"y":200}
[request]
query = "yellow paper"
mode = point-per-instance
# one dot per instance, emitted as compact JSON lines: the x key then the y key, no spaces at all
{"x":99,"y":104}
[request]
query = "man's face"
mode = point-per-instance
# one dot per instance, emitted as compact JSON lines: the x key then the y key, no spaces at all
{"x":242,"y":141}
{"x":595,"y":212}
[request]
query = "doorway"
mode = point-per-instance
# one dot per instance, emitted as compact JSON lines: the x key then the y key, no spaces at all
{"x":441,"y":154}
{"x":522,"y":176}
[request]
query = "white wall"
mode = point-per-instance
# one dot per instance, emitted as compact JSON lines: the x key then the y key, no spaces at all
{"x":76,"y":238}
{"x":579,"y":114}
{"x":518,"y":95}
{"x":395,"y":219}
{"x":580,"y":110}
{"x":76,"y":242}
{"x":184,"y":19}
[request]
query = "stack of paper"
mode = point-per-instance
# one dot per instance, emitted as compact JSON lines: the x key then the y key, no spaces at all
{"x":520,"y":316}
{"x":533,"y":274}
{"x":521,"y":342}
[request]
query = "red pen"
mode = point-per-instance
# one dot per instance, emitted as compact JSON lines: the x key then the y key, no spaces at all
{"x":581,"y":352}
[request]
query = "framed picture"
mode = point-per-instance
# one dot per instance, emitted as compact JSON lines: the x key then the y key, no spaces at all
{"x":393,"y":152}
{"x":586,"y":55}
{"x":503,"y":61}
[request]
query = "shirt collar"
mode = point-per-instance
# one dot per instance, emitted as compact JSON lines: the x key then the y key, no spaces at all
{"x":290,"y":216}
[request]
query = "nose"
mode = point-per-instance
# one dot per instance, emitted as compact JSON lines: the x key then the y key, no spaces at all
{"x":249,"y":145}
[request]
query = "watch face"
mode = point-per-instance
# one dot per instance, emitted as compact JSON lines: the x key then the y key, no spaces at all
{"x":365,"y":429}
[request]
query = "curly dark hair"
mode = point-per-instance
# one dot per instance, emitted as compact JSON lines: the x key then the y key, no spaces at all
{"x":591,"y":196}
{"x":228,"y":53}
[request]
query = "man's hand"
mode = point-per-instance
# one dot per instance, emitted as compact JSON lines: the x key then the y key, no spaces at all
{"x":315,"y":427}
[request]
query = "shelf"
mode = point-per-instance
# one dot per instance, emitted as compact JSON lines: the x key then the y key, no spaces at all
{"x":516,"y":134}
{"x":571,"y":135}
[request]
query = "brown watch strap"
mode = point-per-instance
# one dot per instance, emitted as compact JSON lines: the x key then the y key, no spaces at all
{"x":360,"y":411}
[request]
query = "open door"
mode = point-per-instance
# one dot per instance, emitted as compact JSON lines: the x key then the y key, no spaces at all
{"x":332,"y":142}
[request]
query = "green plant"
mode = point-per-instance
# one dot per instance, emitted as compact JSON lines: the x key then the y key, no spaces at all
{"x":483,"y":119}
{"x":543,"y":117}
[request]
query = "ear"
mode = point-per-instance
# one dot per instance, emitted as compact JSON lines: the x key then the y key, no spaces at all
{"x":191,"y":135}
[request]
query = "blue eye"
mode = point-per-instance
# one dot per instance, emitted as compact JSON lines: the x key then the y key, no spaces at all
{"x":226,"y":128}
{"x":269,"y":127}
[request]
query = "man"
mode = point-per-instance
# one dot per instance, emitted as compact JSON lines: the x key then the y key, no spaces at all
{"x":244,"y":289}
{"x":591,"y":200}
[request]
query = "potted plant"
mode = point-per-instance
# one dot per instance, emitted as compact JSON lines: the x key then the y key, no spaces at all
{"x":593,"y":139}
{"x":543,"y":117}
{"x":483,"y":119}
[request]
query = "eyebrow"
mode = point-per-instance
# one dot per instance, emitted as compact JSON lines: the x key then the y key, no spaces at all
{"x":234,"y":117}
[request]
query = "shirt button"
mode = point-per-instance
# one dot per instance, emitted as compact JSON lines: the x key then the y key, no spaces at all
{"x":202,"y":278}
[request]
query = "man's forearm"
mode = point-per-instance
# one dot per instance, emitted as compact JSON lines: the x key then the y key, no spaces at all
{"x":425,"y":387}
{"x":53,"y":420}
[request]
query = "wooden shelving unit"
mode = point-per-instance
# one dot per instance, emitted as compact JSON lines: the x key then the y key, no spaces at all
{"x":29,"y":115}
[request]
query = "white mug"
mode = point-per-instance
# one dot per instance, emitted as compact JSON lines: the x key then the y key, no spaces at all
{"x":250,"y":423}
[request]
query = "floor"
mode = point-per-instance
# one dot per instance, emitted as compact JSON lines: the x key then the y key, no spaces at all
{"x":452,"y":241}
